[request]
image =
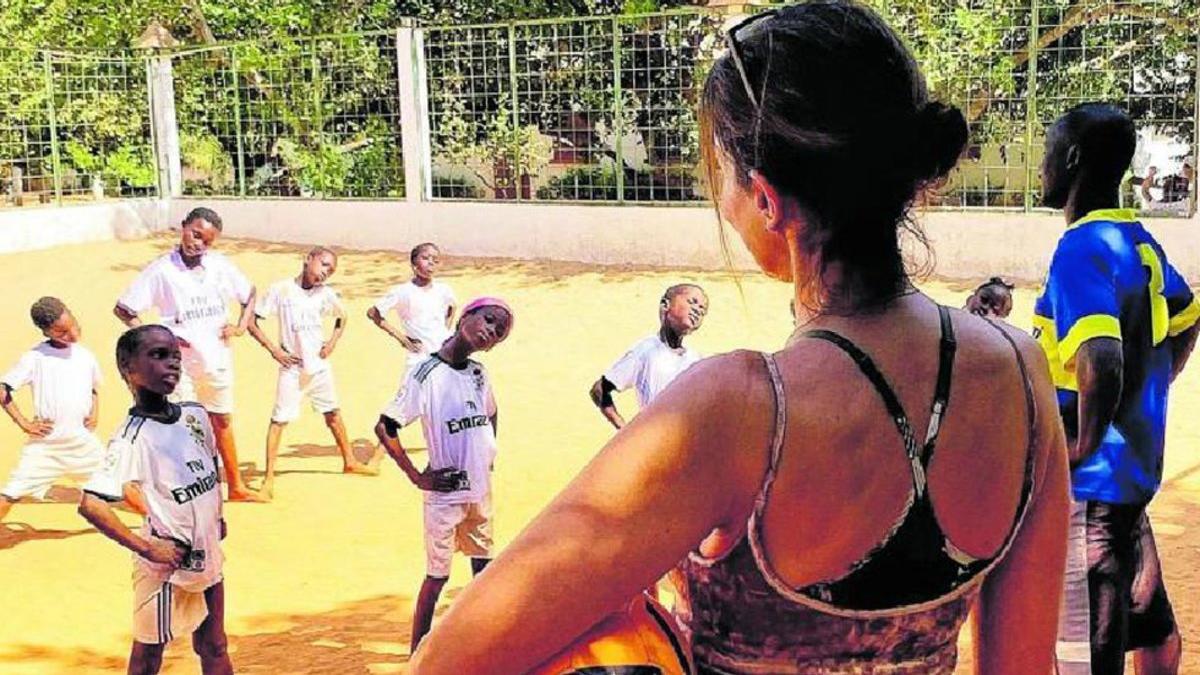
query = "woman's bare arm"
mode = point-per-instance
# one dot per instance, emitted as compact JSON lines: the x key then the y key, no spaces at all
{"x":1017,"y":622}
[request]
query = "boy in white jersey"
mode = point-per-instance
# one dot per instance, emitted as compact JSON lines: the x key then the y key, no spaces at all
{"x":163,"y":455}
{"x":425,"y":307}
{"x":301,"y":303}
{"x":452,"y":396}
{"x":189,"y":287}
{"x":64,"y":377}
{"x":653,"y":362}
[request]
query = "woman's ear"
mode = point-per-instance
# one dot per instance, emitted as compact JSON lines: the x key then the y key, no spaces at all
{"x":768,"y":201}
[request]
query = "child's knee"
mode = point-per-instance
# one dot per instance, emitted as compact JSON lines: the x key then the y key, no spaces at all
{"x":333,"y":418}
{"x":386,"y":428}
{"x":435,"y":583}
{"x":146,"y":659}
{"x":210,"y":644}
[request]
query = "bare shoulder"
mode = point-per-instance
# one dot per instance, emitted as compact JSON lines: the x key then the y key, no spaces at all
{"x":728,"y":399}
{"x":724,"y":376}
{"x":987,"y":337}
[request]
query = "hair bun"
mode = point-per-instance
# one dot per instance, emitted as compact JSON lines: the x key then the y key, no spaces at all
{"x":941,"y":135}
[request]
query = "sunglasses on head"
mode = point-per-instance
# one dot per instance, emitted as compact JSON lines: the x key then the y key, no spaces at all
{"x":735,"y":51}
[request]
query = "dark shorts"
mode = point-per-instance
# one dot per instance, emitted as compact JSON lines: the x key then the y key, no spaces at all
{"x":1128,"y":601}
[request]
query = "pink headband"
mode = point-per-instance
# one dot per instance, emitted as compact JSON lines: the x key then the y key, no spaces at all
{"x":486,"y":301}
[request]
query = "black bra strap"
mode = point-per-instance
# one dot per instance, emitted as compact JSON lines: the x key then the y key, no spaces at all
{"x":918,"y":457}
{"x":868,"y":368}
{"x":1031,"y":412}
{"x":941,"y":395}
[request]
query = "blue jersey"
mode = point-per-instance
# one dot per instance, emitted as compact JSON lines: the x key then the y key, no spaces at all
{"x":1110,"y":278}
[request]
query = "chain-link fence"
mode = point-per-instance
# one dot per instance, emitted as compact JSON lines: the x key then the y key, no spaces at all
{"x":74,"y":128}
{"x":298,"y":118}
{"x":582,"y":110}
{"x":577,"y":110}
{"x":1142,"y":55}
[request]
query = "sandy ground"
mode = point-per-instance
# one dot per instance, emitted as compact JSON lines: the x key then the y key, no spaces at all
{"x":322,"y":580}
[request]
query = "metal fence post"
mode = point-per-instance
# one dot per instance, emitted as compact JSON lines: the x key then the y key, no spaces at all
{"x":1031,"y":108}
{"x":160,"y":189}
{"x":165,"y":125}
{"x":618,"y":126}
{"x":237,"y":122}
{"x":516,"y":119}
{"x":1192,"y":189}
{"x":413,"y":92}
{"x":48,"y":73}
{"x":317,"y":123}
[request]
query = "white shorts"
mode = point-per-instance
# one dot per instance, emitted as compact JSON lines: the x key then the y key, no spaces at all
{"x":44,"y":462}
{"x":163,"y":611}
{"x":211,"y":388}
{"x":456,"y":527}
{"x":295,"y":384}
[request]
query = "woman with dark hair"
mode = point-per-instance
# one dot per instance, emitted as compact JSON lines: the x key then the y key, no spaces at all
{"x":818,"y":529}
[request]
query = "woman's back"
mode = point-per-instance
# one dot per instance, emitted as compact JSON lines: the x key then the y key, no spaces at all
{"x":854,"y":555}
{"x":864,"y":550}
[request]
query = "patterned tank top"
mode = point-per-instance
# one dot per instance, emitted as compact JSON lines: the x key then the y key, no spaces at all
{"x":898,"y":611}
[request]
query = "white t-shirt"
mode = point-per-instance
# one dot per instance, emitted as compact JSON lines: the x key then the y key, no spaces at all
{"x":649,"y":366}
{"x":455,"y":407}
{"x":422,"y":312}
{"x":301,"y":329}
{"x":62,"y":381}
{"x":191,"y":302}
{"x":175,"y":465}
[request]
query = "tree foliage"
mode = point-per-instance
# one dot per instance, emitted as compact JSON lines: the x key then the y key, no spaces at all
{"x":288,"y":112}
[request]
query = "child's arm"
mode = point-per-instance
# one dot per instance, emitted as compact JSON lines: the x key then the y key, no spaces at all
{"x":127,"y":317}
{"x":97,"y":512}
{"x":38,"y":428}
{"x":387,"y":430}
{"x":133,"y":498}
{"x":339,"y":326}
{"x":244,"y":318}
{"x":450,"y":314}
{"x":277,"y":352}
{"x":378,"y":319}
{"x":602,"y":396}
{"x":94,"y":415}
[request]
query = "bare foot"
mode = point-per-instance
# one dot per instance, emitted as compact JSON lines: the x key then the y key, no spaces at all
{"x":267,"y":490}
{"x":245,"y":494}
{"x":361,"y":469}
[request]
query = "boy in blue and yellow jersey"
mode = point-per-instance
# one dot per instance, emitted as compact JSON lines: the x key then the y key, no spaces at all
{"x":1117,"y":322}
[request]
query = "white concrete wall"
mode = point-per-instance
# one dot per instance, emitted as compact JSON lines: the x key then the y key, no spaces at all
{"x":38,"y":227}
{"x":643,"y":235}
{"x":966,"y":245}
{"x":972,"y":245}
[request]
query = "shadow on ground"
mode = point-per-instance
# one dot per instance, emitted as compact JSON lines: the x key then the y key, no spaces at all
{"x":14,"y":534}
{"x":363,"y":449}
{"x":366,"y":636}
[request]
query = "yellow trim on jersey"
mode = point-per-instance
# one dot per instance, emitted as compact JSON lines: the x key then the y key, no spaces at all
{"x":1047,"y":336}
{"x":1159,"y":316}
{"x":1109,"y":215}
{"x":1185,"y":319}
{"x":1087,"y":328}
